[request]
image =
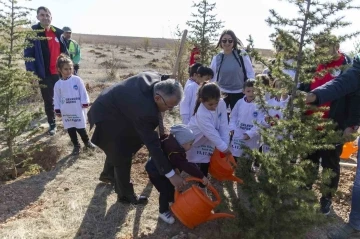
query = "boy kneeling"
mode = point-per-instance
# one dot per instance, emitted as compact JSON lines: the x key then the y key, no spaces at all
{"x":174,"y":146}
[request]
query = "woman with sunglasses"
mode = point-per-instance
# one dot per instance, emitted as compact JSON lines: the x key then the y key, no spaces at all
{"x":232,"y":67}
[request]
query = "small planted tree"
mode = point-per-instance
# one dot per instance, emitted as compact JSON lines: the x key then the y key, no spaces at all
{"x":204,"y":29}
{"x":279,"y":205}
{"x":15,"y":81}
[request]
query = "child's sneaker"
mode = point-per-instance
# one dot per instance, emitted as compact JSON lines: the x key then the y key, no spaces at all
{"x":167,"y":217}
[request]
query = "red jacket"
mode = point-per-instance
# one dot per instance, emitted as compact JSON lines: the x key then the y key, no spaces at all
{"x":319,"y":81}
{"x":195,"y":51}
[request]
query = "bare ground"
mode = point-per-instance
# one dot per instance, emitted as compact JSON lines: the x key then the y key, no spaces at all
{"x":69,"y":201}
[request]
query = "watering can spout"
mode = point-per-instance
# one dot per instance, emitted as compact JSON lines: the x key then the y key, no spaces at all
{"x":219,"y":215}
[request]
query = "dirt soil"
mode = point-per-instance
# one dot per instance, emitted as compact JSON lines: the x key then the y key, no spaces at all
{"x":70,"y":202}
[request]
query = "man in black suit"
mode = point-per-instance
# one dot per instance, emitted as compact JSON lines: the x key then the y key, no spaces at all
{"x":126,"y":116}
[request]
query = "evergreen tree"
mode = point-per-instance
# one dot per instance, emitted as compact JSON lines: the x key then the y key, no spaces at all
{"x":15,"y":81}
{"x":204,"y":29}
{"x":280,"y":206}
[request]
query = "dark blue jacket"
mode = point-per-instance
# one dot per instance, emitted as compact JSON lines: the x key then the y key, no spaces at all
{"x":346,"y":85}
{"x":39,"y":51}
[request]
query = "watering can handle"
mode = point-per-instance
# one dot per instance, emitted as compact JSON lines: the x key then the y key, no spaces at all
{"x":212,"y":189}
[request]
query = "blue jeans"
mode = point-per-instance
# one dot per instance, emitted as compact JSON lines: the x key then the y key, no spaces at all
{"x":355,"y":203}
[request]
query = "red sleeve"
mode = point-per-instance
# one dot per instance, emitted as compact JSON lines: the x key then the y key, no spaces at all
{"x":179,"y":161}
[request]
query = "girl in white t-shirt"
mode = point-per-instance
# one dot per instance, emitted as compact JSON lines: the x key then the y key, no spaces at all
{"x":70,"y":103}
{"x":187,"y":104}
{"x":210,"y":126}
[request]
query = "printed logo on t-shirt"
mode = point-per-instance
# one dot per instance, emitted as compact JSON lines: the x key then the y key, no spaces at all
{"x":255,"y":114}
{"x":75,"y":87}
{"x":56,"y":39}
{"x":63,"y":100}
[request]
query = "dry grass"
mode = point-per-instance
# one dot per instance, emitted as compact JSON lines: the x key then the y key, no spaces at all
{"x":69,"y":202}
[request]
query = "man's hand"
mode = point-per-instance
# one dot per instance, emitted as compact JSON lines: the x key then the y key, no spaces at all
{"x":177,"y":181}
{"x":310,"y":98}
{"x":205,"y":181}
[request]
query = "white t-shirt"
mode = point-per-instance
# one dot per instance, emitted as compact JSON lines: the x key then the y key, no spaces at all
{"x":242,"y":119}
{"x":190,"y":80}
{"x":187,"y":104}
{"x":69,"y":96}
{"x":211,"y":130}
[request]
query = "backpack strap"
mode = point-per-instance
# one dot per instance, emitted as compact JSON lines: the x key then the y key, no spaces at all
{"x":218,"y":71}
{"x":240,"y":61}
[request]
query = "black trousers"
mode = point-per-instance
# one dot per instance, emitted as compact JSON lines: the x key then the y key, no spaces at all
{"x":73,"y":136}
{"x":121,"y":174}
{"x":166,"y":191}
{"x":47,"y":93}
{"x":330,"y":159}
{"x":232,"y":98}
{"x":118,"y":162}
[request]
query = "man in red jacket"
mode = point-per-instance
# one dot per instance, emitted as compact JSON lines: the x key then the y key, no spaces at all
{"x":330,"y":159}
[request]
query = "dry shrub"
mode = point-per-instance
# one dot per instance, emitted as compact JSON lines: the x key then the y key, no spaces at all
{"x":95,"y":88}
{"x":123,"y":77}
{"x":146,"y":44}
{"x":138,"y":56}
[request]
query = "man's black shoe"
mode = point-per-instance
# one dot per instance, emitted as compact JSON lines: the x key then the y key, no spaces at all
{"x":135,"y":199}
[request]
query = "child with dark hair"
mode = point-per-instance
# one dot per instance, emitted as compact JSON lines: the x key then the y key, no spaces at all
{"x":242,"y":121}
{"x":210,"y":126}
{"x":192,"y":71}
{"x":70,"y":102}
{"x":266,"y":81}
{"x":174,"y":146}
{"x":187,"y":104}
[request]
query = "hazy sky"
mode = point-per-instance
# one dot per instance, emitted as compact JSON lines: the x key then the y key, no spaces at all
{"x":158,"y":18}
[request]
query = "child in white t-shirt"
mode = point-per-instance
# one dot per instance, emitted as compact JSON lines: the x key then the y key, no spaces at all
{"x":70,"y":103}
{"x":242,"y":121}
{"x":187,"y":104}
{"x":192,"y":71}
{"x":210,"y":126}
{"x":277,"y":105}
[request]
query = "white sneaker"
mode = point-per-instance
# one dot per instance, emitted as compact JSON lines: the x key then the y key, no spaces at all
{"x":167,"y":217}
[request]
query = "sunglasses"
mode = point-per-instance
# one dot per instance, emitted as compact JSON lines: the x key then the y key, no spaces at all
{"x":227,"y":40}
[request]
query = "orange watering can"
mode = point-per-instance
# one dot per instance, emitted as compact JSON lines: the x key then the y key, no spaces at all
{"x":222,"y":167}
{"x":348,"y":149}
{"x":194,"y":207}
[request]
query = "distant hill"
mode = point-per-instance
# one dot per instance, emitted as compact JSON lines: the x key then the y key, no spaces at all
{"x":135,"y":41}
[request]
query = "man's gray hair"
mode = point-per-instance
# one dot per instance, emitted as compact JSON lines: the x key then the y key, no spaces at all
{"x":169,"y":88}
